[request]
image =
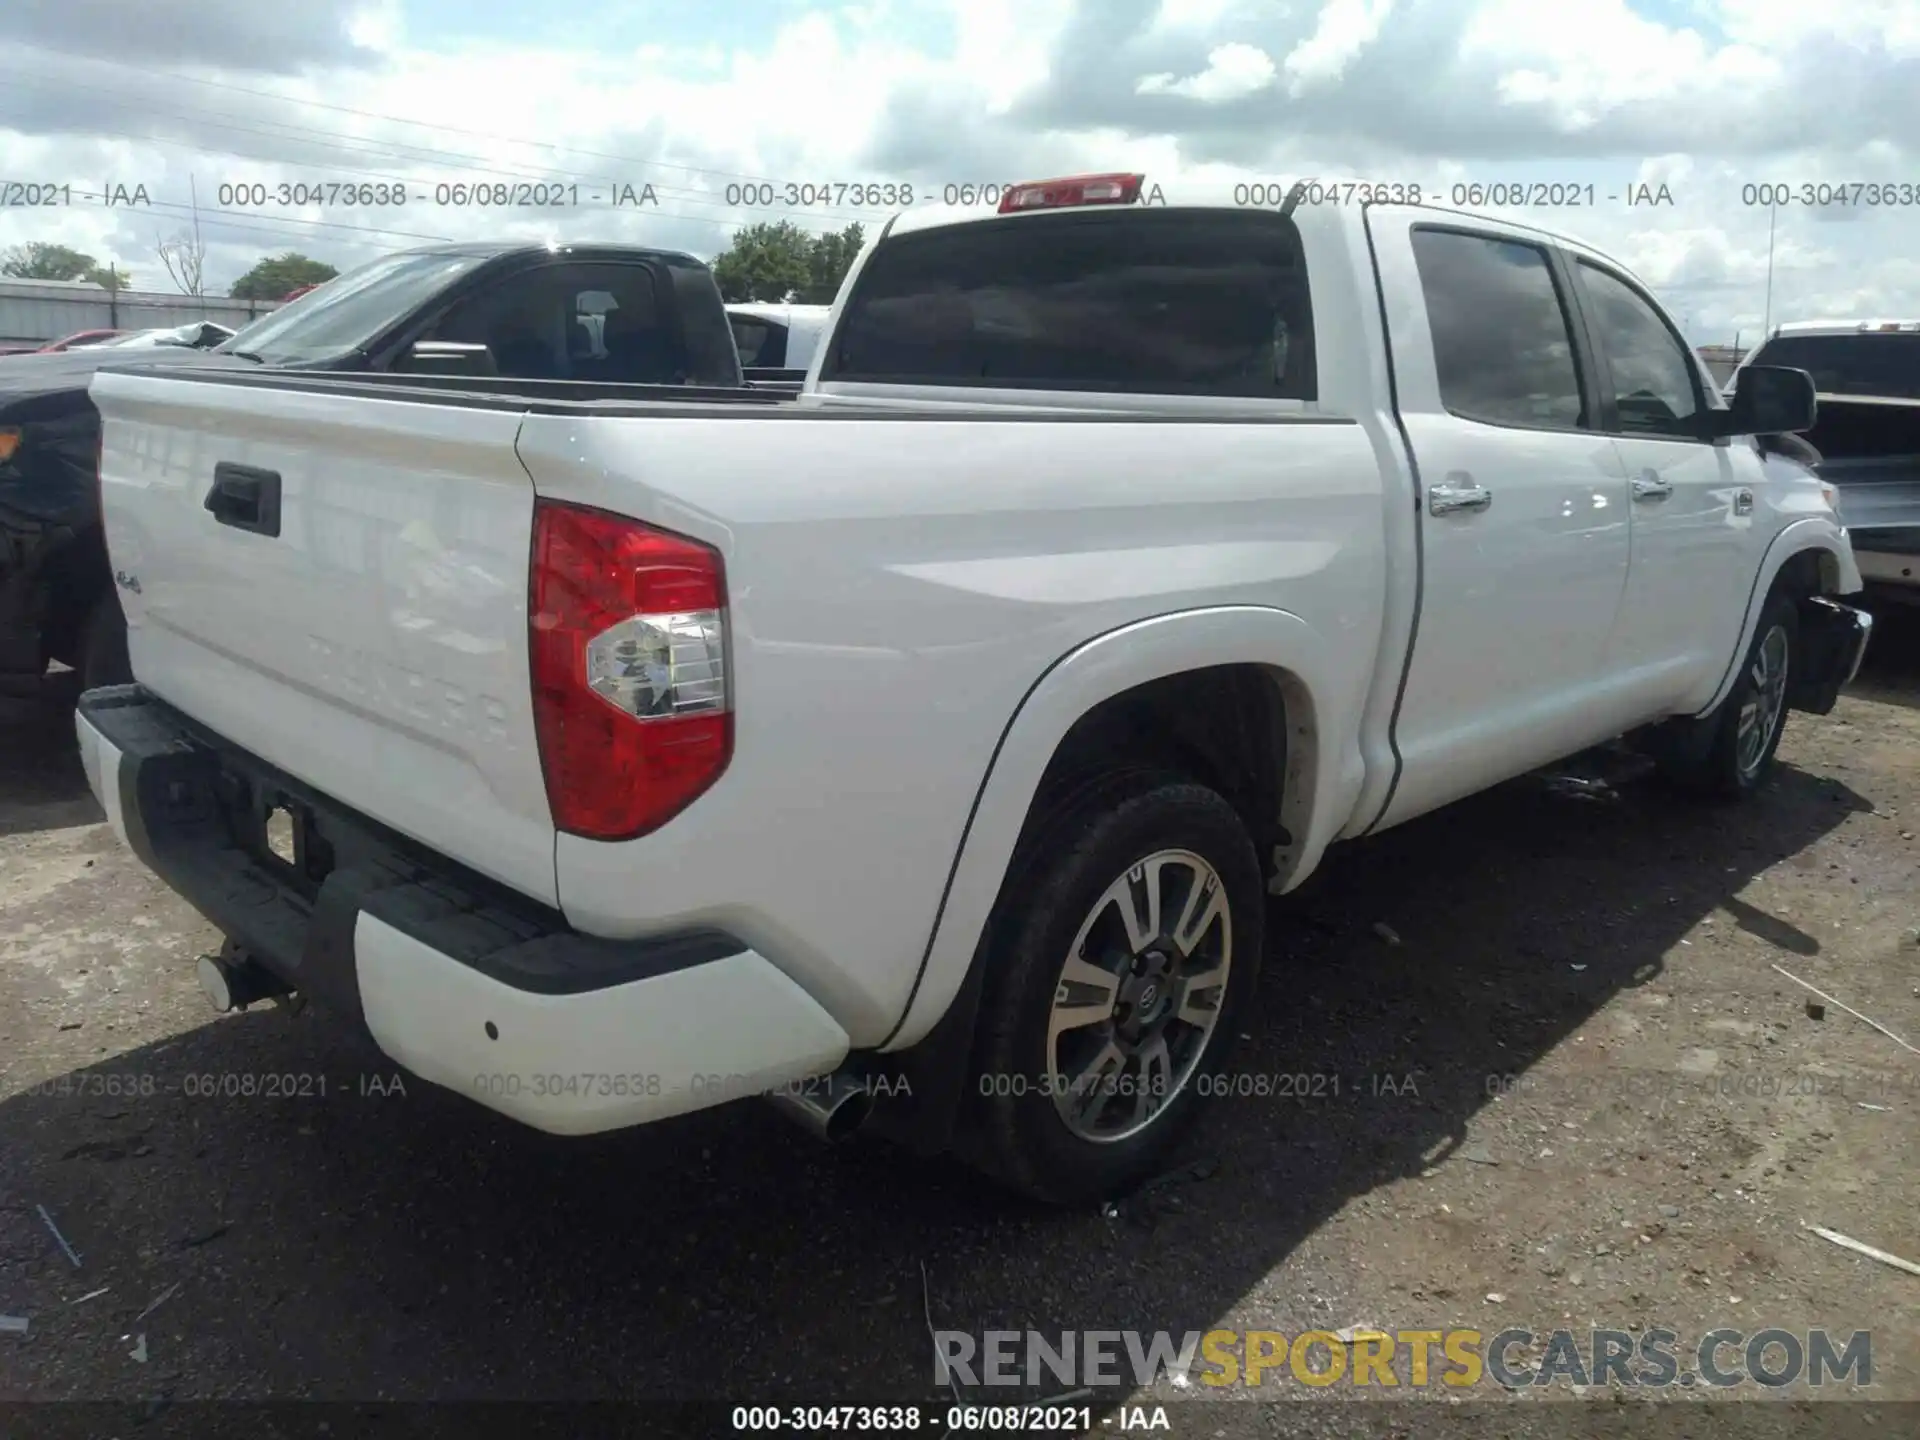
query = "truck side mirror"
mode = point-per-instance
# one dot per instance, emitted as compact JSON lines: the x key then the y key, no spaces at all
{"x":447,"y":357}
{"x":1768,"y":400}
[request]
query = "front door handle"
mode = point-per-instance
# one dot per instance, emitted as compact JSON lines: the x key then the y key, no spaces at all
{"x":1649,"y":486}
{"x":1457,"y":492}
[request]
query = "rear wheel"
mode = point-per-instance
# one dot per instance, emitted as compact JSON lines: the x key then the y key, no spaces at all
{"x":1127,"y":944}
{"x":1734,"y":755}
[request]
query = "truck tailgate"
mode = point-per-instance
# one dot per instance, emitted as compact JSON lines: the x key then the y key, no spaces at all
{"x":357,"y":612}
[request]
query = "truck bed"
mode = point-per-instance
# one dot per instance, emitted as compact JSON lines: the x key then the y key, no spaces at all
{"x":909,"y":571}
{"x":574,"y":397}
{"x":1870,"y":450}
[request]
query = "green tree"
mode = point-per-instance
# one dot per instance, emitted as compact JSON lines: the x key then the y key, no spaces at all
{"x":768,"y":261}
{"x":779,"y":262}
{"x":109,"y":277}
{"x":37,"y":260}
{"x":831,"y":256}
{"x":273,"y":277}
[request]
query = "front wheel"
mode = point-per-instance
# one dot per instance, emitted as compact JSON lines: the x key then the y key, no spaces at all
{"x":1127,"y":944}
{"x":1742,"y":735}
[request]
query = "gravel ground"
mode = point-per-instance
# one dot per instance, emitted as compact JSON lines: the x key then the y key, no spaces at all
{"x":1554,"y":1080}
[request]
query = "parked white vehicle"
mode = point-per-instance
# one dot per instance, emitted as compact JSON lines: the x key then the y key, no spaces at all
{"x":922,"y":751}
{"x":777,"y":336}
{"x":194,"y":335}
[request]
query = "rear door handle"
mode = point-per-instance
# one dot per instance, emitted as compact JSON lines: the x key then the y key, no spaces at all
{"x":1457,"y":492}
{"x":1647,"y":485}
{"x":245,"y":498}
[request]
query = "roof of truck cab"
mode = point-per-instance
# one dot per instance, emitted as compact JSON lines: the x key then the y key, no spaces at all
{"x":589,"y":249}
{"x":1220,"y":194}
{"x":1185,"y":194}
{"x":1844,"y":327}
{"x":1174,"y":194}
{"x":777,"y":311}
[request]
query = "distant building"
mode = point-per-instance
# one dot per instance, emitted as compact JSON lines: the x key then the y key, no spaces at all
{"x":36,"y":311}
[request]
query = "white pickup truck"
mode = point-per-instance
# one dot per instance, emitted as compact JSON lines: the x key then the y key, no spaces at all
{"x":777,"y":340}
{"x":921,"y":751}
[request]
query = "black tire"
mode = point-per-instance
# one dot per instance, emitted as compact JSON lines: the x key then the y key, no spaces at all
{"x":1717,"y":760}
{"x":1091,"y":839}
{"x":103,"y":646}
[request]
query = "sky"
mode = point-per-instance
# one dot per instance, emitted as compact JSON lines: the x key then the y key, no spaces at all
{"x":211,"y":106}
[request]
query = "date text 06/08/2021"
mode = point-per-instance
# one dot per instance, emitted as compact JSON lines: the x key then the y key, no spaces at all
{"x":217,"y":1085}
{"x":942,"y":1418}
{"x":457,"y":194}
{"x":483,"y":194}
{"x":712,"y":1089}
{"x":342,"y":194}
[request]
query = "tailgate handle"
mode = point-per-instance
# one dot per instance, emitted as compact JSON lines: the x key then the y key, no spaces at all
{"x":245,"y":498}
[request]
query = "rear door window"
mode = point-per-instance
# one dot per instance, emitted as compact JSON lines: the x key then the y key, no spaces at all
{"x":1502,"y":347}
{"x":1161,"y":302}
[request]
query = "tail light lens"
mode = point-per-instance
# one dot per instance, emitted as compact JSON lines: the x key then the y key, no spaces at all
{"x":628,"y":640}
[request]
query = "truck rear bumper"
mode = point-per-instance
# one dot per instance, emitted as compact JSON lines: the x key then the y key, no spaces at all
{"x":460,"y":981}
{"x":1889,"y":553}
{"x":1888,"y":567}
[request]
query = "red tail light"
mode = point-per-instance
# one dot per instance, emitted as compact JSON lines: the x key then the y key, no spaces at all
{"x":627,"y":629}
{"x":1072,"y":190}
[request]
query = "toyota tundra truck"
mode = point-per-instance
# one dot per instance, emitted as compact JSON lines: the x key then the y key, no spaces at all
{"x":921,"y":753}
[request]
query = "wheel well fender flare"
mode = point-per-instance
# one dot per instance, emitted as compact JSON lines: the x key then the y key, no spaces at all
{"x":1839,"y":575}
{"x":1097,"y":670}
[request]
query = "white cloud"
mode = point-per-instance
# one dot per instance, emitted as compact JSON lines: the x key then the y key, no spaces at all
{"x":1233,"y":72}
{"x":1447,"y":91}
{"x":1611,"y":60}
{"x":1203,"y":17}
{"x":1344,"y":29}
{"x":378,"y":27}
{"x":1892,"y":26}
{"x":1004,"y":47}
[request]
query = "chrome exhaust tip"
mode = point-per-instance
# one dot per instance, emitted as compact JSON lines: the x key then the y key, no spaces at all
{"x":234,"y":985}
{"x":829,"y":1107}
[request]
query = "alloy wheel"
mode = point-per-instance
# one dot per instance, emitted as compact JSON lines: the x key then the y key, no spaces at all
{"x":1139,"y":996}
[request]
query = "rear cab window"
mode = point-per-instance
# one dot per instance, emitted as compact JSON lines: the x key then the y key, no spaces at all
{"x":1148,"y":302}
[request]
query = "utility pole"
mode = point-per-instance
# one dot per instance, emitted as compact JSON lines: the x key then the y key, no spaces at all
{"x":1766,"y":328}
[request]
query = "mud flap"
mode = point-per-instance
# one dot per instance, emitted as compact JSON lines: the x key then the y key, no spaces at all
{"x":1833,"y":640}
